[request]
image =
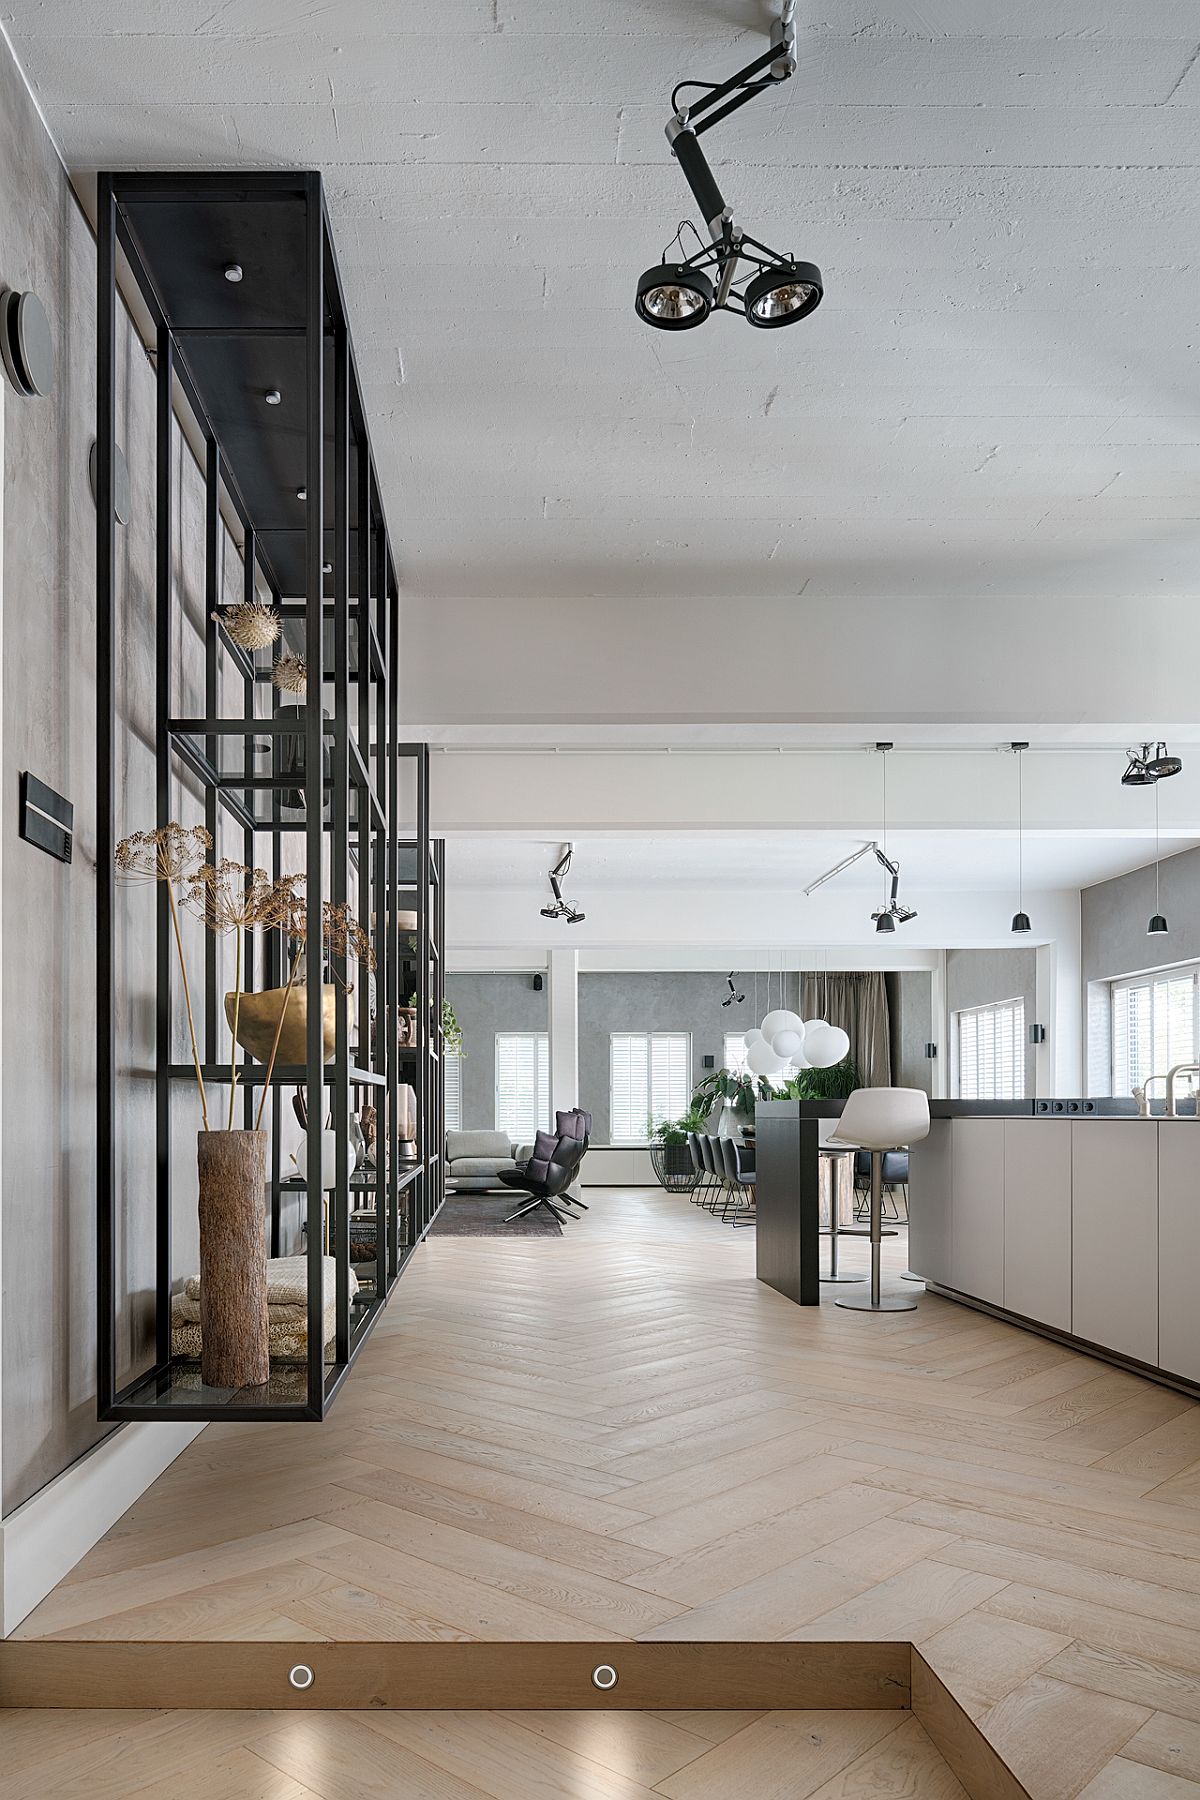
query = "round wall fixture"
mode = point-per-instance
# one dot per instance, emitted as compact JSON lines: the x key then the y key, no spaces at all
{"x":27,"y":345}
{"x":604,"y":1678}
{"x":121,"y":499}
{"x":301,"y":1676}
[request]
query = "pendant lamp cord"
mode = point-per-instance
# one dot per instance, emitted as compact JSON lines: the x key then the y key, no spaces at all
{"x":1157,"y":855}
{"x":1020,"y":831}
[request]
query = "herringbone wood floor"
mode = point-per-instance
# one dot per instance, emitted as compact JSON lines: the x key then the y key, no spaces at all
{"x":622,"y":1433}
{"x":464,"y":1756}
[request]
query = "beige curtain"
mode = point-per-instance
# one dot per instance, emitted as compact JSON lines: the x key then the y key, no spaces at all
{"x":858,"y":1003}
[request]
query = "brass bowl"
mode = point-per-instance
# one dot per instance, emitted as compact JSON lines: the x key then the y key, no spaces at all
{"x":258,"y":1016}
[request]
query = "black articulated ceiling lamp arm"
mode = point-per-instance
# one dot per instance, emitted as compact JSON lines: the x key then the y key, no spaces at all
{"x":776,"y":289}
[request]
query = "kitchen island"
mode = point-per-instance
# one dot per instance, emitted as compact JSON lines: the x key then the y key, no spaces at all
{"x":1074,"y":1218}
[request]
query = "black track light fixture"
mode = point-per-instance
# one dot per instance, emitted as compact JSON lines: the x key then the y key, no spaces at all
{"x":1143,"y":769}
{"x":560,"y":908}
{"x":775,"y":289}
{"x":1158,"y":924}
{"x":732,"y":998}
{"x":1020,"y":922}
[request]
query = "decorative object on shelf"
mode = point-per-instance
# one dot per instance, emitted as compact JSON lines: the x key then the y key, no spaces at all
{"x":233,"y":1258}
{"x":669,"y":1154}
{"x":27,"y":344}
{"x":329,"y":1147}
{"x":251,"y":624}
{"x":369,"y":1119}
{"x":357,"y":1140}
{"x":343,"y":939}
{"x":171,"y":855}
{"x":120,"y":479}
{"x":287,"y":1310}
{"x":276,"y":1020}
{"x":290,"y":674}
{"x":406,"y":1123}
{"x":233,"y":899}
{"x":406,"y":1027}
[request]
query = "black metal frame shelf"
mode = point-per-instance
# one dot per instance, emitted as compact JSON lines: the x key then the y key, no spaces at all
{"x":349,"y":780}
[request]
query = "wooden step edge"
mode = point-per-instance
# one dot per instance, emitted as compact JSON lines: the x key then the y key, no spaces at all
{"x":475,"y":1677}
{"x":958,"y":1739}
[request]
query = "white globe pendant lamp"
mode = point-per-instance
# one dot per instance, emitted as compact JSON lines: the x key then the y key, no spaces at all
{"x":762,"y":1060}
{"x":781,"y":1020}
{"x":788,"y":1044}
{"x":753,"y":1036}
{"x":825,"y":1045}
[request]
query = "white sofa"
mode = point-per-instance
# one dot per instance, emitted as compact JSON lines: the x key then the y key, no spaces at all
{"x":474,"y":1160}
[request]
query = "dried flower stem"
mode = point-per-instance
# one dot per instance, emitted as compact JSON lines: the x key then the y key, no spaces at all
{"x":187,"y":997}
{"x":287,"y":995}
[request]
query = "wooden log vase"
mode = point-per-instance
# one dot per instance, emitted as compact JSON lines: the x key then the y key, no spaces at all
{"x":233,"y":1258}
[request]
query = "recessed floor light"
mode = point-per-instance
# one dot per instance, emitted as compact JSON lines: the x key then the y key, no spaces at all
{"x":272,"y":396}
{"x":233,"y":271}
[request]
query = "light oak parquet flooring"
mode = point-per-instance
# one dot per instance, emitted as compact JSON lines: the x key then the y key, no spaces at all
{"x":622,"y":1434}
{"x":471,"y":1756}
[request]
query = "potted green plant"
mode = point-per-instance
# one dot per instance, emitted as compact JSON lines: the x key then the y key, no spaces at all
{"x":835,"y":1083}
{"x":740,"y":1092}
{"x":669,"y":1151}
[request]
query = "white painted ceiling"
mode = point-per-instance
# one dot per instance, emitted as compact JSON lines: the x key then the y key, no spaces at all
{"x":941,"y":861}
{"x":999,"y":396}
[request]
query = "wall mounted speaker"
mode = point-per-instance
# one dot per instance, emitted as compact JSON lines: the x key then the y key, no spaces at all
{"x":931,"y":1051}
{"x":26,"y":344}
{"x":538,"y":984}
{"x":1037,"y":1034}
{"x":710,"y":1062}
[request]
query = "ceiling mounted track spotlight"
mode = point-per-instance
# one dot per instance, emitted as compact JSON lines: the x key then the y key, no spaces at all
{"x":1020,"y":921}
{"x":774,"y":289}
{"x":560,"y":908}
{"x":1143,"y":770}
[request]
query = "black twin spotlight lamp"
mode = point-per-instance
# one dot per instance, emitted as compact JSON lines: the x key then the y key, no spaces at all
{"x":774,"y":289}
{"x":560,"y":908}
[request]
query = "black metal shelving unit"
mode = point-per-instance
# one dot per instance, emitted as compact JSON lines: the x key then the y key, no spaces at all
{"x":297,"y":473}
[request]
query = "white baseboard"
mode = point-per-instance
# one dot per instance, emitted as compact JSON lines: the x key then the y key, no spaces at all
{"x":43,"y":1539}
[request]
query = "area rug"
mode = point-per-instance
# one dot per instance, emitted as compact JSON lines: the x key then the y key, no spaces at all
{"x":483,"y":1215}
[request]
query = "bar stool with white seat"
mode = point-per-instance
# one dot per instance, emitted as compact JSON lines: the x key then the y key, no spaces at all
{"x":881,"y":1119}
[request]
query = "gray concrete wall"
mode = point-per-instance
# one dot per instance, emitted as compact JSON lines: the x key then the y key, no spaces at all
{"x":669,"y":1002}
{"x":982,"y":977}
{"x":910,"y":1017}
{"x":485,"y":1004}
{"x":47,"y":1183}
{"x":1114,"y":915}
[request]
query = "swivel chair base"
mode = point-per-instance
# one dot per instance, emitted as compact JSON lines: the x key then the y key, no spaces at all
{"x":885,"y":1303}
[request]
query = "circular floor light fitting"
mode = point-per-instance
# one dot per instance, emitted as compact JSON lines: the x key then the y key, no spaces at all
{"x":233,"y":272}
{"x":784,"y":293}
{"x":673,"y":297}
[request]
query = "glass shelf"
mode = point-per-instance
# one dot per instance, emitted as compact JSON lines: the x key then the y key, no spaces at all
{"x":283,"y":1074}
{"x":253,"y":764}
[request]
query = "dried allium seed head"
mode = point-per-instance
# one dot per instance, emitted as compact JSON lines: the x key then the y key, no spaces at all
{"x":252,"y":624}
{"x":172,"y":853}
{"x":291,"y":674}
{"x":230,"y":896}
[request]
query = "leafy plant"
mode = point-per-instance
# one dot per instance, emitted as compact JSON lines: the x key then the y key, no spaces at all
{"x":742,"y":1091}
{"x":451,"y":1029}
{"x":675,"y":1131}
{"x":835,"y":1083}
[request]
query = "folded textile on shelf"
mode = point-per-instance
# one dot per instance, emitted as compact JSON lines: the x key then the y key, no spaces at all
{"x":287,"y":1282}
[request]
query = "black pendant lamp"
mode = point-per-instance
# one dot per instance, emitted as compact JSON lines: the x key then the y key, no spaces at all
{"x":1020,"y":921}
{"x":1158,"y":924}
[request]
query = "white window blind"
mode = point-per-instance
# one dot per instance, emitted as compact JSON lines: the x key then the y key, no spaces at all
{"x":990,"y":1051}
{"x":1155,"y":1024}
{"x":522,"y":1084}
{"x":650,"y":1079}
{"x":453,"y":1071}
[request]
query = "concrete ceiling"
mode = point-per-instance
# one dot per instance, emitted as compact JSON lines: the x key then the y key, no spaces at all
{"x":999,"y":396}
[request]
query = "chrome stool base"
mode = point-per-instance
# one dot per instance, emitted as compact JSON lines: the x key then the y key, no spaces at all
{"x":885,"y":1303}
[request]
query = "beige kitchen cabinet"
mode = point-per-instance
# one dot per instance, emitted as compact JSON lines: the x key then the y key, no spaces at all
{"x":1114,"y":1235}
{"x":1179,"y":1247}
{"x":1037,"y":1220}
{"x":977,"y":1221}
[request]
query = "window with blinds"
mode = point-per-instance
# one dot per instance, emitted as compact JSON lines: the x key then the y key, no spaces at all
{"x":453,"y":1073}
{"x":650,"y":1079}
{"x":990,"y":1051}
{"x":1155,"y":1024}
{"x":522,"y":1084}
